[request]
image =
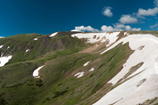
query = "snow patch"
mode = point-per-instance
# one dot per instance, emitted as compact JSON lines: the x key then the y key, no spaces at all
{"x":36,"y":72}
{"x":86,"y":63}
{"x":8,"y":47}
{"x":80,"y":74}
{"x":4,"y":60}
{"x":92,"y":69}
{"x":1,"y":46}
{"x":35,"y":39}
{"x":53,"y":34}
{"x":27,"y":50}
{"x":103,"y":37}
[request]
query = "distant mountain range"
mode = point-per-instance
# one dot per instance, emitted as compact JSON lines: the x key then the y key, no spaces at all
{"x":79,"y":68}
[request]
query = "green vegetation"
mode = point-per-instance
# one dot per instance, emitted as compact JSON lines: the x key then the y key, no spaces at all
{"x":153,"y":101}
{"x":61,"y":61}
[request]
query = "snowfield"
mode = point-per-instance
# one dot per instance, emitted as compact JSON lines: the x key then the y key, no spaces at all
{"x":92,"y":69}
{"x":4,"y":60}
{"x":95,"y":37}
{"x":1,"y":46}
{"x":35,"y":39}
{"x":8,"y":47}
{"x":36,"y":72}
{"x":86,"y":63}
{"x":27,"y":50}
{"x":53,"y":34}
{"x":80,"y":74}
{"x":131,"y":92}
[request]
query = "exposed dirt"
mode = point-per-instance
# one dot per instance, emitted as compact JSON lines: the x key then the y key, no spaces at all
{"x":121,"y":35}
{"x":98,"y":37}
{"x":96,"y":47}
{"x":141,"y":82}
{"x":109,"y":32}
{"x":141,"y":47}
{"x":153,"y":101}
{"x":132,"y":70}
{"x":94,"y":36}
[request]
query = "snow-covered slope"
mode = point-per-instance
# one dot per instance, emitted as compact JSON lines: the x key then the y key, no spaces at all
{"x":4,"y":60}
{"x":53,"y":34}
{"x":98,"y":37}
{"x":36,"y":72}
{"x":110,"y":68}
{"x":144,"y":82}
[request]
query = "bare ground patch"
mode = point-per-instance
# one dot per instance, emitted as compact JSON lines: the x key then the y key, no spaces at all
{"x":141,"y":47}
{"x":141,"y":82}
{"x":153,"y":101}
{"x":132,"y":70}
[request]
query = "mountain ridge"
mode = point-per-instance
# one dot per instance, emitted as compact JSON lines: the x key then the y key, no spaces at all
{"x":96,"y":58}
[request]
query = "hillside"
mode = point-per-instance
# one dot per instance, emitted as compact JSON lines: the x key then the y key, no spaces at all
{"x":74,"y":68}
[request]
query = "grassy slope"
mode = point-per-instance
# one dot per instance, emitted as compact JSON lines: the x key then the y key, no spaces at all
{"x":65,"y":89}
{"x":57,"y":85}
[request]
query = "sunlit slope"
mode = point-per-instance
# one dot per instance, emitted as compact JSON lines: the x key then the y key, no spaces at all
{"x":67,"y":68}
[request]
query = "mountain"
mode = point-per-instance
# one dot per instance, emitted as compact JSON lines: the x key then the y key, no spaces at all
{"x":79,"y":68}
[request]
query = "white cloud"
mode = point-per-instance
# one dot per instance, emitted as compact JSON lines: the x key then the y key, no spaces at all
{"x":125,"y":19}
{"x":156,"y":2}
{"x":136,"y":29}
{"x":107,"y":11}
{"x":154,"y":25}
{"x":108,"y":28}
{"x":2,"y":37}
{"x":149,"y":12}
{"x":128,"y":28}
{"x":83,"y":28}
{"x":117,"y":25}
{"x":105,"y":28}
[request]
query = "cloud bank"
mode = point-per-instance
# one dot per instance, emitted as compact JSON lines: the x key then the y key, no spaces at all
{"x":154,"y":25}
{"x":105,"y":28}
{"x":149,"y":12}
{"x":83,"y":28}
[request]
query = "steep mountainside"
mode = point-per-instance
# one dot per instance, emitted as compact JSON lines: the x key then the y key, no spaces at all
{"x":72,"y":68}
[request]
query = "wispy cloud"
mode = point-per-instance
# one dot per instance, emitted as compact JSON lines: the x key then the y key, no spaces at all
{"x":154,"y":25}
{"x":156,"y":2}
{"x":126,"y":19}
{"x":107,"y":11}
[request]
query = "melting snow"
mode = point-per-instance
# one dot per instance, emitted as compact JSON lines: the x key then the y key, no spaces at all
{"x":36,"y":72}
{"x":95,"y":37}
{"x":4,"y":60}
{"x":80,"y":74}
{"x":1,"y":46}
{"x":35,"y":39}
{"x":128,"y":93}
{"x":86,"y":63}
{"x":53,"y":34}
{"x":92,"y":69}
{"x":8,"y":47}
{"x":27,"y":50}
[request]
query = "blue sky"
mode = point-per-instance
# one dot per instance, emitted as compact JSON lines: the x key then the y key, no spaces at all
{"x":48,"y":16}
